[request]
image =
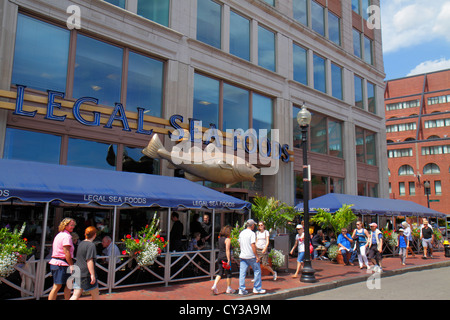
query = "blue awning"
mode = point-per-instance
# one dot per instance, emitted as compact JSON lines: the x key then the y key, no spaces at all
{"x":41,"y":182}
{"x":368,"y":205}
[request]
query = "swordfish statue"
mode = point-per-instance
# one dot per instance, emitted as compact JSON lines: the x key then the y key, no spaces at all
{"x":218,"y":167}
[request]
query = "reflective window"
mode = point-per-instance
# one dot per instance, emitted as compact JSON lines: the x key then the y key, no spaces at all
{"x":119,"y":3}
{"x":365,"y":146}
{"x":336,"y":81}
{"x":357,"y":43}
{"x":239,"y":36}
{"x":271,"y":2}
{"x":360,"y":151}
{"x":355,"y":6}
{"x":92,"y":154}
{"x":365,"y":6}
{"x":318,"y":132}
{"x":297,"y":130}
{"x":235,"y":107}
{"x":41,"y":55}
{"x":334,"y":28}
{"x":145,"y":84}
{"x":431,"y":168}
{"x":155,"y":10}
{"x":266,"y":48}
{"x":368,"y":50}
{"x":206,"y":100}
{"x":319,"y":74}
{"x":335,"y":138}
{"x":371,"y":151}
{"x":32,"y":146}
{"x":317,"y":18}
{"x":98,"y":71}
{"x":262,"y":113}
{"x":300,"y":64}
{"x":371,"y":97}
{"x":300,"y":11}
{"x":134,"y":161}
{"x":209,"y":15}
{"x":359,"y":92}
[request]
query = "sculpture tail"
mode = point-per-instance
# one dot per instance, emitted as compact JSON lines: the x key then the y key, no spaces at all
{"x":154,"y":145}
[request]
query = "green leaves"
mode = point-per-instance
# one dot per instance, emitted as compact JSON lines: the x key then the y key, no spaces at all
{"x":272,"y":212}
{"x":335,"y":221}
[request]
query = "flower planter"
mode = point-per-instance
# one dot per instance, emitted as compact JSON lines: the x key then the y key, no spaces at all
{"x":340,"y":258}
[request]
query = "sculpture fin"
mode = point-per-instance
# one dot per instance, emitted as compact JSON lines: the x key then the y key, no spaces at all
{"x":152,"y":148}
{"x":192,"y":177}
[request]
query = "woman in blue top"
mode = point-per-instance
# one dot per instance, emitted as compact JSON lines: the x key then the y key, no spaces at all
{"x":361,"y":235}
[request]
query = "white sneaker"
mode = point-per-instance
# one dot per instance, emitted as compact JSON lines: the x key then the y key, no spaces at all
{"x":243,"y":292}
{"x":260,"y":291}
{"x":275,"y":275}
{"x":229,"y":290}
{"x":214,"y":290}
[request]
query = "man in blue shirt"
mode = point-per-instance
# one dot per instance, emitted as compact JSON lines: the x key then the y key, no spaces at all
{"x":345,"y":242}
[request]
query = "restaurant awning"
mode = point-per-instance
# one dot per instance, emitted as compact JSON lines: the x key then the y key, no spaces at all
{"x":41,"y":182}
{"x":368,"y":205}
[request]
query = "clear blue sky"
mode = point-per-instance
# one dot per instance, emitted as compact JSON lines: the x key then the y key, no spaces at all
{"x":416,"y":36}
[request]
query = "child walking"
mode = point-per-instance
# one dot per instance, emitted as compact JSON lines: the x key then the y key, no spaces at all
{"x":402,"y":244}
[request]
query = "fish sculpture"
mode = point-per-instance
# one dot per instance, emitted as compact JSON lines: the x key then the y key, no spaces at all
{"x":218,"y":167}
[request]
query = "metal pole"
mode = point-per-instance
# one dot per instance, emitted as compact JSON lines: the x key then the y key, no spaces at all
{"x":212,"y":257}
{"x":112,"y":261}
{"x":308,"y":271}
{"x":40,"y":272}
{"x":168,"y":261}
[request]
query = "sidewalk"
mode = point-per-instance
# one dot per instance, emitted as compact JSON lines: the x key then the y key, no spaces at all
{"x":328,"y":274}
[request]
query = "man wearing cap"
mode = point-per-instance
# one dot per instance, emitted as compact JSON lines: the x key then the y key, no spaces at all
{"x":375,"y":244}
{"x":248,"y":257}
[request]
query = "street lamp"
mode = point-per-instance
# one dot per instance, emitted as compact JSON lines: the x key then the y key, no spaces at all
{"x":304,"y":119}
{"x":426,"y":185}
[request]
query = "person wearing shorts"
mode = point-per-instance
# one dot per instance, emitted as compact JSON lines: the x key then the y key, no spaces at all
{"x":300,"y":243}
{"x":426,"y":234}
{"x":85,"y":278}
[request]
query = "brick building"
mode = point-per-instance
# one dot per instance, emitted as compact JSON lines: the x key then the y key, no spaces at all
{"x":418,"y":142}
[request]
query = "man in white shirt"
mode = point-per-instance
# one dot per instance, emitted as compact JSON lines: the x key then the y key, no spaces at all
{"x":248,"y":257}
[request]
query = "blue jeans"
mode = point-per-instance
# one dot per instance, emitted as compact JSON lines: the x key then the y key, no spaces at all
{"x":245,"y":263}
{"x":352,"y":256}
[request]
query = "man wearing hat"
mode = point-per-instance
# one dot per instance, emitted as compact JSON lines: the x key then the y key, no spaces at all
{"x":375,"y":244}
{"x":402,"y":244}
{"x":248,"y":257}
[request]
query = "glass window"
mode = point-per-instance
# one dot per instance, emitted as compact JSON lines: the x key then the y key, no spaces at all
{"x":406,"y":170}
{"x":359,"y":92}
{"x":92,"y":154}
{"x":412,"y":188}
{"x":319,"y":186}
{"x":145,"y":84}
{"x":155,"y":10}
{"x":357,"y":43}
{"x":209,"y":17}
{"x":437,"y":188}
{"x":431,"y":168}
{"x":336,"y":185}
{"x":371,"y":97}
{"x":41,"y":55}
{"x":98,"y":71}
{"x":32,"y":146}
{"x":365,"y":6}
{"x":368,"y":50}
{"x":271,"y":2}
{"x":401,"y":188}
{"x":300,"y":9}
{"x":298,"y":186}
{"x":206,"y":100}
{"x":262,"y":113}
{"x":135,"y":161}
{"x":297,"y":129}
{"x":266,"y":48}
{"x":239,"y":36}
{"x":317,"y":18}
{"x":235,"y":107}
{"x":119,"y":3}
{"x":334,"y":28}
{"x":318,"y":133}
{"x":360,"y":148}
{"x":355,"y":6}
{"x":336,"y":81}
{"x":319,"y":73}
{"x":335,"y":138}
{"x":300,"y":64}
{"x":371,"y":151}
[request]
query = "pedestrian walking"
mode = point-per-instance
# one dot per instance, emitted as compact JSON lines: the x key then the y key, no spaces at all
{"x":61,"y":261}
{"x":375,"y":245}
{"x":361,"y":235}
{"x":248,"y":258}
{"x":408,"y":233}
{"x":427,"y":236}
{"x":224,"y":260}
{"x":86,"y":278}
{"x":300,"y":244}
{"x":262,"y":248}
{"x":402,"y":244}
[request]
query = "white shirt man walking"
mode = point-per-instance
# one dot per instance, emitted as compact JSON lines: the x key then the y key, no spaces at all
{"x":248,"y":257}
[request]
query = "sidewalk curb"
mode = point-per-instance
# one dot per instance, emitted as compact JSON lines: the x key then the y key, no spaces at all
{"x":318,"y":287}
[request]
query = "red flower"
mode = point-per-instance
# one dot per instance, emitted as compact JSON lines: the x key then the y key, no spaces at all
{"x":162,"y":239}
{"x":25,"y":239}
{"x":124,"y":252}
{"x":158,"y":236}
{"x":136,"y":240}
{"x":146,"y":227}
{"x":128,"y":236}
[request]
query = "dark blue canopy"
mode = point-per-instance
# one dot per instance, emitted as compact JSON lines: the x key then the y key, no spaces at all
{"x":40,"y":182}
{"x":368,"y":205}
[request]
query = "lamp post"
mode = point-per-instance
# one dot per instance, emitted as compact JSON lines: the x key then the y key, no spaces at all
{"x":304,"y":119}
{"x":426,"y":185}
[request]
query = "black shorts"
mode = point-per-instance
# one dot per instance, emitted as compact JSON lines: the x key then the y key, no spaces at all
{"x":223,"y":272}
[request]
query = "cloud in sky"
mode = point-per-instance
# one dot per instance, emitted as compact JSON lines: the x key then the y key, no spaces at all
{"x":430,"y":66}
{"x":406,"y":23}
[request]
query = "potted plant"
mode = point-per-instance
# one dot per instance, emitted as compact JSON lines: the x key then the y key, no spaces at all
{"x":272,"y":212}
{"x":333,"y":252}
